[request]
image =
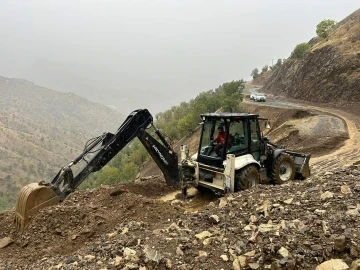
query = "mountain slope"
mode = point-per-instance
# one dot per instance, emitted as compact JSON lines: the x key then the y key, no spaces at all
{"x":41,"y":130}
{"x":329,"y":73}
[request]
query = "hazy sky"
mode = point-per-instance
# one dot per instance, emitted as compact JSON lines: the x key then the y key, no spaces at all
{"x":152,"y":54}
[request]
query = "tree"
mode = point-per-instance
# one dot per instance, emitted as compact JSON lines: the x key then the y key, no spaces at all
{"x":300,"y":50}
{"x":232,"y":95}
{"x":254,"y":73}
{"x":324,"y":27}
{"x":185,"y":124}
{"x":265,"y":68}
{"x":277,"y":64}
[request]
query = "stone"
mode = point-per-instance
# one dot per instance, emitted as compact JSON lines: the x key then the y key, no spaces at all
{"x":345,"y":189}
{"x":264,"y":228}
{"x":334,"y":264}
{"x":236,"y":265}
{"x":168,"y":263}
{"x":340,"y":243}
{"x":250,"y":253}
{"x":326,"y":195}
{"x":202,"y":235}
{"x":355,"y":265}
{"x":214,"y":219}
{"x":211,"y":205}
{"x":289,"y":201}
{"x":242,"y":261}
{"x":152,"y":254}
{"x":283,"y":252}
{"x":173,"y":227}
{"x":354,"y":250}
{"x":131,"y":266}
{"x":253,"y":219}
{"x":254,"y":265}
{"x":224,"y":257}
{"x":5,"y":242}
{"x":202,"y":257}
{"x":325,"y":227}
{"x":89,"y":257}
{"x":319,"y":212}
{"x":352,"y":212}
{"x":222,"y":203}
{"x":118,"y":260}
{"x":179,"y":252}
{"x":111,"y":235}
{"x":316,"y":247}
{"x":247,"y":228}
{"x":208,"y":241}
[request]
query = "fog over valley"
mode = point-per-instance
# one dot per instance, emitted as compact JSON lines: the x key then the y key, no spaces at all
{"x":151,"y":54}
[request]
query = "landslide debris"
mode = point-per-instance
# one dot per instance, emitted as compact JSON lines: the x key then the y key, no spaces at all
{"x":299,"y":225}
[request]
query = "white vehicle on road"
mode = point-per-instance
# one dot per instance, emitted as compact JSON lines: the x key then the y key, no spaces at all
{"x":258,"y":97}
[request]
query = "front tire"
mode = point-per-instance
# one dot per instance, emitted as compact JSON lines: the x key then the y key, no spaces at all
{"x":246,"y":178}
{"x":283,"y":169}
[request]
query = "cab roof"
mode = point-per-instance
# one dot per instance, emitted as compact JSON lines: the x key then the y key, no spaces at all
{"x":226,"y":115}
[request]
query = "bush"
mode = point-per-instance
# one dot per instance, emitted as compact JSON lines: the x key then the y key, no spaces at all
{"x":324,"y":27}
{"x":300,"y":50}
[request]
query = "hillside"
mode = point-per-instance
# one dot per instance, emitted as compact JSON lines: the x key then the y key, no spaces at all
{"x":329,"y":73}
{"x":41,"y":130}
{"x":262,"y":78}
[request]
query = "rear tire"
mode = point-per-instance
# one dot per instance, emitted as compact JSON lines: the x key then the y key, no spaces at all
{"x":246,"y":178}
{"x":283,"y":169}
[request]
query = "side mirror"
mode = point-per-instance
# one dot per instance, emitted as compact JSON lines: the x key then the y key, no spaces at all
{"x":267,"y":124}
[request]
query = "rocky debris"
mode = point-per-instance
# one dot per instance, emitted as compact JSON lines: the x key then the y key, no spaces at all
{"x":260,"y":228}
{"x":326,"y":195}
{"x":5,"y":242}
{"x":335,"y":264}
{"x":355,"y":265}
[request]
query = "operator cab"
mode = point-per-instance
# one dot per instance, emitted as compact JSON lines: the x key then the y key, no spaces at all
{"x":242,"y":136}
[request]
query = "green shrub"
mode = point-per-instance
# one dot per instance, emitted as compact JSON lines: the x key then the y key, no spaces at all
{"x":300,"y":50}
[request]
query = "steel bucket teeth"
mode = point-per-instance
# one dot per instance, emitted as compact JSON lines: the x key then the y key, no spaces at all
{"x":31,"y":199}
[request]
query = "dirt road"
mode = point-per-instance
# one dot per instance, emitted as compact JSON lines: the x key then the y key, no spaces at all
{"x":339,"y":158}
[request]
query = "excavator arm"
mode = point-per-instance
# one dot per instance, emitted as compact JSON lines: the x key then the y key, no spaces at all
{"x":97,"y":153}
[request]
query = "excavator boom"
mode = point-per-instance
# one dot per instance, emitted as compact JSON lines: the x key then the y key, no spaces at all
{"x":97,"y":153}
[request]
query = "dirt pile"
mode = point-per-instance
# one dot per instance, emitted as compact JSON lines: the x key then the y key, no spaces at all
{"x":329,"y":73}
{"x":294,"y":226}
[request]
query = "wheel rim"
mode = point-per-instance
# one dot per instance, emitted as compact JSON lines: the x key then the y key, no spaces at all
{"x":285,"y":171}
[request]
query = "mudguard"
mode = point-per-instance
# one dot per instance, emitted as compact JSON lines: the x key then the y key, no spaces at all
{"x":242,"y":161}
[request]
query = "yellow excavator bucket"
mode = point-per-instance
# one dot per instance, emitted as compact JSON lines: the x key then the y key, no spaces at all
{"x":32,"y":198}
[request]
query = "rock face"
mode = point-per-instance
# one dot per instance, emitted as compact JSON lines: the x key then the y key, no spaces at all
{"x":329,"y":73}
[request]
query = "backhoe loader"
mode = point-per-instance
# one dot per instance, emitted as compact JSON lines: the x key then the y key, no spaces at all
{"x":245,"y":159}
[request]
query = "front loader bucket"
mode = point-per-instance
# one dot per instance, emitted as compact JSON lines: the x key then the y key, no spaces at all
{"x":32,"y":198}
{"x":301,"y":164}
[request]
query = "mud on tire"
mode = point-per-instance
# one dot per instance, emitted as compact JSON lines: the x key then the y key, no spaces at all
{"x":283,"y":169}
{"x":246,"y":178}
